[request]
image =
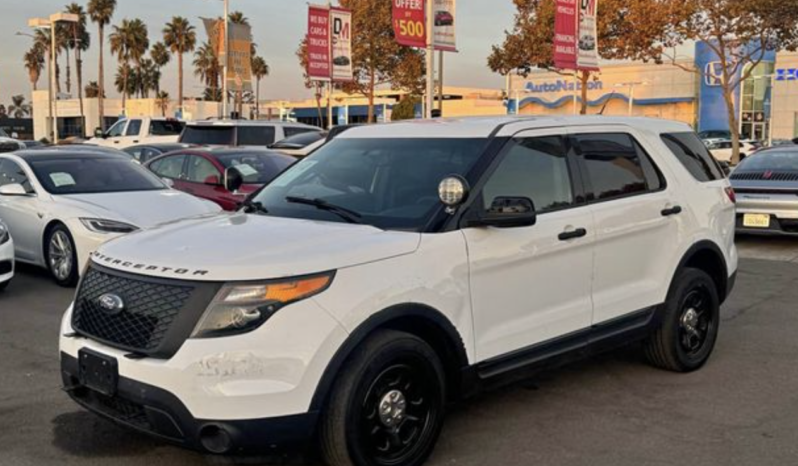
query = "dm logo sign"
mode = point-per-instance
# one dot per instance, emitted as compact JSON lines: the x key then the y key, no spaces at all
{"x":787,"y":74}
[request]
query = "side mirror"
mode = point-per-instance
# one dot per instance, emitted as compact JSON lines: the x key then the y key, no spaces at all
{"x":99,"y":133}
{"x":233,"y":179}
{"x":13,"y":189}
{"x":212,"y":180}
{"x":505,"y":212}
{"x":168,"y":182}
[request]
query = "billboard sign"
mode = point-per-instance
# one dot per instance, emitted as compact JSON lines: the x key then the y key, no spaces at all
{"x":587,"y":44}
{"x":341,"y":33}
{"x":409,"y":24}
{"x":444,"y":26}
{"x":565,"y":32}
{"x":319,"y":62}
{"x":239,"y":62}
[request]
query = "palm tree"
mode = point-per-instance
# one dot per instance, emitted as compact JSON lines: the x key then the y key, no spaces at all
{"x":238,"y":17}
{"x":148,"y":77}
{"x":34,"y":64}
{"x":92,"y":90}
{"x":19,"y":108}
{"x":260,"y":69}
{"x":208,"y":69}
{"x":42,"y":42}
{"x":162,"y":102}
{"x":79,"y":41}
{"x":161,"y":57}
{"x":181,"y":38}
{"x":101,"y":12}
{"x":129,"y":42}
{"x":126,"y":80}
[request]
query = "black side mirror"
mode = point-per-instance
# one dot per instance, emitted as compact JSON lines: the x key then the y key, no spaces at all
{"x":99,"y":133}
{"x":505,"y":212}
{"x":233,"y":179}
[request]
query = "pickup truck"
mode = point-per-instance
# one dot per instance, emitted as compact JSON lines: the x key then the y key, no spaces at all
{"x":134,"y":131}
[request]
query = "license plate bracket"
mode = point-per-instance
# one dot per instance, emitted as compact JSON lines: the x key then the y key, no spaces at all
{"x":98,"y":372}
{"x":756,"y":220}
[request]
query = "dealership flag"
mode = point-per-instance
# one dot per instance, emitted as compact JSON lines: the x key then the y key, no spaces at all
{"x":409,"y":26}
{"x":587,"y":45}
{"x":319,"y":62}
{"x":445,"y":37}
{"x":239,"y":62}
{"x":341,"y":33}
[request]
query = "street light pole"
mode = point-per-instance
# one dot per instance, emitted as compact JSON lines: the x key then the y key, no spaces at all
{"x":430,"y":61}
{"x":226,"y":39}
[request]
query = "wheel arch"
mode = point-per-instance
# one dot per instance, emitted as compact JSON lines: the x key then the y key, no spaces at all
{"x":46,"y":232}
{"x":420,"y":320}
{"x":707,"y":256}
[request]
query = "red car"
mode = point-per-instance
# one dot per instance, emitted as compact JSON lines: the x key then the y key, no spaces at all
{"x":224,"y":176}
{"x":444,"y":18}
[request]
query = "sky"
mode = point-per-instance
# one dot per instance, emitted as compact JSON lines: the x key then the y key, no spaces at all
{"x":278,"y":27}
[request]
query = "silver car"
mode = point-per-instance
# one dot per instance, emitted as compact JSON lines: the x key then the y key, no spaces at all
{"x":766,"y":185}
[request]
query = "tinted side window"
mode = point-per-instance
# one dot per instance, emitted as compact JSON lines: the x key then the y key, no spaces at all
{"x":200,"y":170}
{"x":11,"y":173}
{"x":169,"y":167}
{"x":256,"y":135}
{"x":166,"y":128}
{"x":134,"y":128}
{"x":693,"y":154}
{"x":617,"y":166}
{"x":535,"y":168}
{"x":291,"y":131}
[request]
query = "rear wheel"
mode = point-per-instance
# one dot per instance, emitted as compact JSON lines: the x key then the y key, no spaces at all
{"x":387,"y":406}
{"x":689,"y":329}
{"x":62,"y":260}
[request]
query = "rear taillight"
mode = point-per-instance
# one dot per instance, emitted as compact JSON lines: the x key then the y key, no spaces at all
{"x":732,"y":195}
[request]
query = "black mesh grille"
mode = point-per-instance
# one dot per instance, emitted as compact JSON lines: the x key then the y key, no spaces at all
{"x":150,"y":309}
{"x":766,"y":176}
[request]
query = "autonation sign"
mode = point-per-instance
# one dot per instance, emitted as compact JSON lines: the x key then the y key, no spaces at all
{"x":563,"y":86}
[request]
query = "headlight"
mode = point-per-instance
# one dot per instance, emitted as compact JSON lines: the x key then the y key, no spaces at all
{"x":241,"y":308}
{"x":4,"y":235}
{"x":99,"y":225}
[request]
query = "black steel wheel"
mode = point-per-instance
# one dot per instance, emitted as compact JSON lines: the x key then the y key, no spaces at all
{"x":387,"y":406}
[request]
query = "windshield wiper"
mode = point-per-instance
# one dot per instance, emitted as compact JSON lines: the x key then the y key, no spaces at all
{"x":254,"y":207}
{"x":349,"y":215}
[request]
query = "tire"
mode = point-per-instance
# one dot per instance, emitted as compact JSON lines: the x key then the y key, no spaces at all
{"x":387,"y":404}
{"x":688,"y":331}
{"x":60,"y":256}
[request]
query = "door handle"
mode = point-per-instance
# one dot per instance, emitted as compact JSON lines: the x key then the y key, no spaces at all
{"x":569,"y":235}
{"x":675,"y":210}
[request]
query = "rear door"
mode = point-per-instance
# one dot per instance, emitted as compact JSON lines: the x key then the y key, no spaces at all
{"x":532,"y":285}
{"x":639,"y":221}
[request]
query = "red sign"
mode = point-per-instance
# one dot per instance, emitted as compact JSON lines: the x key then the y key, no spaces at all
{"x":565,"y":29}
{"x":319,"y":63}
{"x":409,"y":26}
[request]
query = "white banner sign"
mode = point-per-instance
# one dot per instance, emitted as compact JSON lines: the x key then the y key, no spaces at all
{"x":587,"y":51}
{"x":341,"y":33}
{"x":444,"y":16}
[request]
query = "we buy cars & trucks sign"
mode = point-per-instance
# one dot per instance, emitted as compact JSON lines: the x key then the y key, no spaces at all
{"x":329,"y":44}
{"x":575,"y":35}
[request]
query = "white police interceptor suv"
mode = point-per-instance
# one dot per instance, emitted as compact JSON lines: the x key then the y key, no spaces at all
{"x":400,"y":268}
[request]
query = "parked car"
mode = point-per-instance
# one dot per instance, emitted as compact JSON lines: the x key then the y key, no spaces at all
{"x":444,"y":18}
{"x":224,"y":176}
{"x":85,"y":148}
{"x":61,"y":205}
{"x":342,"y":60}
{"x":134,"y":131}
{"x":722,"y":150}
{"x":6,"y":257}
{"x":146,"y":152}
{"x":587,"y":43}
{"x":241,"y":133}
{"x":710,"y":136}
{"x":300,"y":145}
{"x":400,"y":268}
{"x":766,"y":185}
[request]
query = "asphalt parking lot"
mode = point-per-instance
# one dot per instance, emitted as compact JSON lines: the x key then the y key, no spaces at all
{"x":742,"y":409}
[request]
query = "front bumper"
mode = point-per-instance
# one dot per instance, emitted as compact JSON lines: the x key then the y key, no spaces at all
{"x":154,"y":411}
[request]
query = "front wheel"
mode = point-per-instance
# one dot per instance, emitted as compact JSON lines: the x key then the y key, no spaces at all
{"x":387,"y":406}
{"x":62,"y":260}
{"x":689,"y":328}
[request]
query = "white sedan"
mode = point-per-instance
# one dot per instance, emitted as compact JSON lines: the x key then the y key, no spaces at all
{"x":6,"y":257}
{"x":60,"y":206}
{"x":722,"y":149}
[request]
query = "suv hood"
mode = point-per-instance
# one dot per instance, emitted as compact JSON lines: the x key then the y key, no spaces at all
{"x":240,"y":247}
{"x":144,"y":209}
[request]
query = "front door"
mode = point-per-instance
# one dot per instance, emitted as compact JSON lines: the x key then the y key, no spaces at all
{"x":22,"y":214}
{"x":532,"y":284}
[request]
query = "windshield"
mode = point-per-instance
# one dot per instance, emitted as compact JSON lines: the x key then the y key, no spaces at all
{"x":208,"y":135}
{"x":772,"y":160}
{"x":93,"y":175}
{"x":390,"y":183}
{"x":256,"y":168}
{"x":299,"y":141}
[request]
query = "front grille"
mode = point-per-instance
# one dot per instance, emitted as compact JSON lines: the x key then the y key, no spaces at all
{"x":149,"y":312}
{"x":123,"y":410}
{"x":765,"y":176}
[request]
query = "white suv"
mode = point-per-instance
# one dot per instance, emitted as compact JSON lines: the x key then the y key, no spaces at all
{"x":398,"y":269}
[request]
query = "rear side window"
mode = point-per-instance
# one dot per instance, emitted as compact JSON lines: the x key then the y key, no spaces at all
{"x":166,"y":128}
{"x":293,"y":131}
{"x":617,"y":166}
{"x":134,"y":128}
{"x":256,"y":135}
{"x":693,"y":154}
{"x":169,"y":167}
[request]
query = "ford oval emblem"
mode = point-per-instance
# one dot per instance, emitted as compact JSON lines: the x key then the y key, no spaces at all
{"x":111,"y":304}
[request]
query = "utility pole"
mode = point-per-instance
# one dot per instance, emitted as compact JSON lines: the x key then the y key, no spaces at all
{"x":226,"y":39}
{"x":440,"y":83}
{"x":430,"y":61}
